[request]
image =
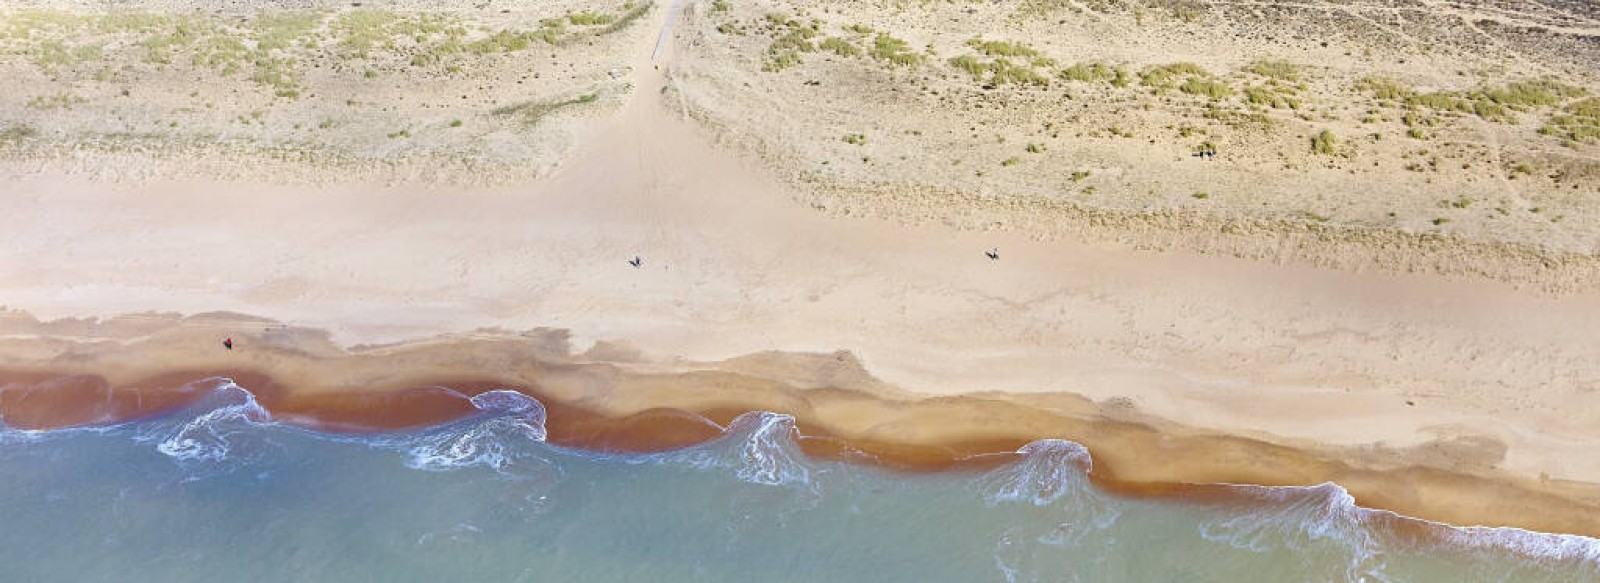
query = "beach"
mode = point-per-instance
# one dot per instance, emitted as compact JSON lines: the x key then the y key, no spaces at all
{"x":1449,"y":377}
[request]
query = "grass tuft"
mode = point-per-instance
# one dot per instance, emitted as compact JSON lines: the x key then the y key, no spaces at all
{"x":534,"y":111}
{"x":1325,"y":143}
{"x":995,"y":48}
{"x":1206,"y":87}
{"x":1280,"y":70}
{"x":841,"y":47}
{"x":894,"y":50}
{"x":1165,"y":77}
{"x":1088,"y":73}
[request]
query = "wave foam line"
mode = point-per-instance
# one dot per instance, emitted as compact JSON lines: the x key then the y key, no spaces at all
{"x":768,"y":454}
{"x":230,"y":410}
{"x":491,"y":439}
{"x":1052,"y":471}
{"x":760,"y":447}
{"x":1299,"y":516}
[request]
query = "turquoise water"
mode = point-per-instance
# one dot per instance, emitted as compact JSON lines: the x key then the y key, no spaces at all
{"x":222,"y":492}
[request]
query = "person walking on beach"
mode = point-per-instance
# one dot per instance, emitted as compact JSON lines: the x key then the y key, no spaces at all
{"x":228,"y":343}
{"x":993,"y":254}
{"x":636,"y":262}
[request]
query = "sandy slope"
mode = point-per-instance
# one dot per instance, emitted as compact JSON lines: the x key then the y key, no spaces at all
{"x":1484,"y":379}
{"x":1089,"y":135}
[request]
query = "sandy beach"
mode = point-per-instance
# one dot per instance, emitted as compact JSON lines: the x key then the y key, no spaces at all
{"x":1448,"y":375}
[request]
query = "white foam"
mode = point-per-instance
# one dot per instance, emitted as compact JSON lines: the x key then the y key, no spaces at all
{"x":207,"y":437}
{"x":1053,"y":472}
{"x":759,"y":447}
{"x":10,"y":436}
{"x":1298,"y":516}
{"x":1540,"y":546}
{"x":494,"y":440}
{"x":1047,"y":470}
{"x":1300,"y":519}
{"x":769,"y":454}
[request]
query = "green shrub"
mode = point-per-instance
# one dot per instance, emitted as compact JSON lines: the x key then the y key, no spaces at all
{"x":506,"y":41}
{"x":1280,"y":70}
{"x":971,"y":65}
{"x":588,"y":18}
{"x":1325,"y":143}
{"x":1577,"y":122}
{"x":1530,"y":93}
{"x":1206,"y":87}
{"x":1267,"y":97}
{"x":1088,"y":73}
{"x":996,"y":48}
{"x":797,"y":41}
{"x":841,"y":47}
{"x":531,"y":112}
{"x":1166,"y":76}
{"x":1121,"y":79}
{"x":893,"y":50}
{"x":1004,"y":72}
{"x":778,"y":62}
{"x":280,"y":31}
{"x":1384,"y":88}
{"x":51,"y":53}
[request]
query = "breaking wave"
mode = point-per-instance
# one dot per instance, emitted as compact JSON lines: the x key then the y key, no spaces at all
{"x":227,"y":414}
{"x":1320,"y":524}
{"x":9,"y":436}
{"x":1047,"y":470}
{"x":1541,"y":546}
{"x":497,"y":438}
{"x":1512,"y":554}
{"x":1054,"y":474}
{"x":759,"y":447}
{"x":223,"y":431}
{"x":1318,"y":527}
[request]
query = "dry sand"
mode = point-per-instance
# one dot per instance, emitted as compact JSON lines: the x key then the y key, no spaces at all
{"x":1464,"y":400}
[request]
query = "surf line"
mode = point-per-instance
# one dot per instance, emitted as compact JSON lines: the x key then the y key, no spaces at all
{"x":665,"y":28}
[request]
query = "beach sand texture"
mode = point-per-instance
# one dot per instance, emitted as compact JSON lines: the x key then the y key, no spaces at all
{"x":1308,"y":320}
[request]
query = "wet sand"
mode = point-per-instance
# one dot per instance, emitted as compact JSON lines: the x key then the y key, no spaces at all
{"x":610,"y":406}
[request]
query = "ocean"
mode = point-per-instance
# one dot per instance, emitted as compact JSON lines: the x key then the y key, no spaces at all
{"x":221,"y":491}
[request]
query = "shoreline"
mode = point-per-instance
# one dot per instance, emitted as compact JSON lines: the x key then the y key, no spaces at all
{"x":605,"y":406}
{"x":1461,"y":400}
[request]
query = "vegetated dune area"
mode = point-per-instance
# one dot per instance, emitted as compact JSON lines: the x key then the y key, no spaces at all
{"x":1215,"y":242}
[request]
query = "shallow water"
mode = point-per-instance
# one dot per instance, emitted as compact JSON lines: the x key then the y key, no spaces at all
{"x":222,"y":492}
